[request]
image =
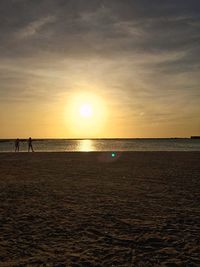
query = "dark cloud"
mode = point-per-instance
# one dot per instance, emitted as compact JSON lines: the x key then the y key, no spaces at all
{"x":97,"y":26}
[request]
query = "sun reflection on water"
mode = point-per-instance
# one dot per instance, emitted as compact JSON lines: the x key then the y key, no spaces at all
{"x":86,"y":145}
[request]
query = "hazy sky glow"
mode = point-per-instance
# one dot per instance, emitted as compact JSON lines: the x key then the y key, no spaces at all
{"x":139,"y":57}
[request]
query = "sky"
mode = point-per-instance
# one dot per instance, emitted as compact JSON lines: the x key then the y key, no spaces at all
{"x":135,"y":63}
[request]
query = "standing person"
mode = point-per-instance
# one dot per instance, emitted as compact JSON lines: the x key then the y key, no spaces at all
{"x":17,"y":145}
{"x":30,"y":146}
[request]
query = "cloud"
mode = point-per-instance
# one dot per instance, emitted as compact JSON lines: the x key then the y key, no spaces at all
{"x":34,"y":27}
{"x":74,"y":29}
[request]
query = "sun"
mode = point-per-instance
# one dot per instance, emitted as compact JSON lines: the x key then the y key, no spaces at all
{"x":86,"y":114}
{"x":86,"y":110}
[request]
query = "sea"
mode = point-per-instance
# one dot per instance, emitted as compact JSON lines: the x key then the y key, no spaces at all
{"x":86,"y":145}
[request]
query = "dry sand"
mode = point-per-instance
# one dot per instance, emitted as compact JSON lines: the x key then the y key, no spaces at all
{"x":87,"y":209}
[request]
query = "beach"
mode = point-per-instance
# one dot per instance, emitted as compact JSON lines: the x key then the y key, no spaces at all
{"x":98,"y":209}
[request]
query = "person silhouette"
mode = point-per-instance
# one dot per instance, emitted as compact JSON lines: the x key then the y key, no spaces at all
{"x":17,"y":145}
{"x":30,"y":146}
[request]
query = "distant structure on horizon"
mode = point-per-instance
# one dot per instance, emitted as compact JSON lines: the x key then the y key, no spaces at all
{"x":195,"y":137}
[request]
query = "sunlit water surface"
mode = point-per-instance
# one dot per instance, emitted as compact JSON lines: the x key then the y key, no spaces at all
{"x":61,"y":145}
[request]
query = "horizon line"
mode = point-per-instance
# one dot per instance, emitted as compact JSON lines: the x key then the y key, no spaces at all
{"x":102,"y":138}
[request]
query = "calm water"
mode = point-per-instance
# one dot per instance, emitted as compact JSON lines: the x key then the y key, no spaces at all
{"x":106,"y":145}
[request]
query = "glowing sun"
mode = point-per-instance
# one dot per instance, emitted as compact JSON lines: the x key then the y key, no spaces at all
{"x":86,"y":110}
{"x":85,"y":114}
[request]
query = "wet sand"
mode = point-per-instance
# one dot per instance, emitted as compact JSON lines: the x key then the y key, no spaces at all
{"x":89,"y":209}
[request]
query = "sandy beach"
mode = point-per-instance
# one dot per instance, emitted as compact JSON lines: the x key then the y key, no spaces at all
{"x":89,"y":209}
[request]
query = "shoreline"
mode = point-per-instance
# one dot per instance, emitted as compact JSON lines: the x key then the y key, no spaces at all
{"x":103,"y":151}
